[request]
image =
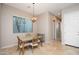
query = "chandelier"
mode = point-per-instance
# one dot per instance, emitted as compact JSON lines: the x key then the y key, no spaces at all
{"x":56,"y":18}
{"x":34,"y":18}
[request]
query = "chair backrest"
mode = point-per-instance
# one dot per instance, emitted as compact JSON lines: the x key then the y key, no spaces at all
{"x":42,"y":35}
{"x":35,"y":40}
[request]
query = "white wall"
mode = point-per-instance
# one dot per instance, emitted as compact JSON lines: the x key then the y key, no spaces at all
{"x":0,"y":25}
{"x":44,"y":26}
{"x":70,"y":26}
{"x":51,"y":33}
{"x":8,"y":38}
{"x":35,"y":27}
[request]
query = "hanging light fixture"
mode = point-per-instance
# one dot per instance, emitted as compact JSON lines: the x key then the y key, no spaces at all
{"x":34,"y":18}
{"x":56,"y":18}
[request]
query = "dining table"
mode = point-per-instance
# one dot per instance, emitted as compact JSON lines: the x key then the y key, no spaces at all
{"x":28,"y":38}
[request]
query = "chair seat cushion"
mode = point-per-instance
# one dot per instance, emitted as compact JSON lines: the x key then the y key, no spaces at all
{"x":25,"y":45}
{"x":35,"y":44}
{"x":38,"y":40}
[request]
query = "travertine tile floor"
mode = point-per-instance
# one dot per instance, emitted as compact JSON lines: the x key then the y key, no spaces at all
{"x":51,"y":48}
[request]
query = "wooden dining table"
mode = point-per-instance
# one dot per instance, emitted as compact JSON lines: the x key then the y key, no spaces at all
{"x":26,"y":40}
{"x":29,"y":38}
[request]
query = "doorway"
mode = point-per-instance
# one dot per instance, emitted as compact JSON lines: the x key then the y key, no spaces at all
{"x":56,"y":28}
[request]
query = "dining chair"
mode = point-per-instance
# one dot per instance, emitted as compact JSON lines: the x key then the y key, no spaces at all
{"x":21,"y":45}
{"x":35,"y":43}
{"x":42,"y":38}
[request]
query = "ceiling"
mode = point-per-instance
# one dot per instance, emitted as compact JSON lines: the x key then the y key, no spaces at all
{"x":40,"y":7}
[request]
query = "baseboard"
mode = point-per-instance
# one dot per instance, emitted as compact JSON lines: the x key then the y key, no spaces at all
{"x":71,"y":46}
{"x":8,"y":46}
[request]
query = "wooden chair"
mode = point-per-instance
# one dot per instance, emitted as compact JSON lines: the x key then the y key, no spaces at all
{"x":42,"y":39}
{"x":35,"y":43}
{"x":21,"y":45}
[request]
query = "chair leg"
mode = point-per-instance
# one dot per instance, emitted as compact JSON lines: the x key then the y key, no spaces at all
{"x":22,"y":48}
{"x":23,"y":51}
{"x":32,"y":49}
{"x":41,"y":43}
{"x":20,"y":51}
{"x":17,"y":48}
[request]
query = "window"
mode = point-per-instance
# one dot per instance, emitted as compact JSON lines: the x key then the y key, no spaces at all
{"x":21,"y":25}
